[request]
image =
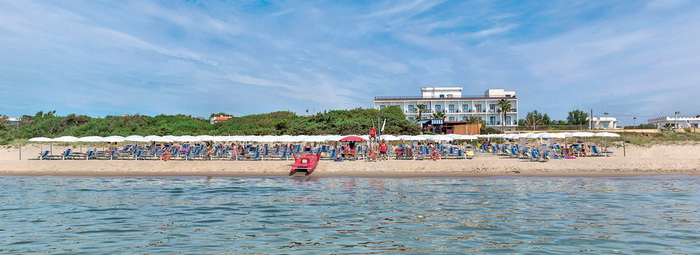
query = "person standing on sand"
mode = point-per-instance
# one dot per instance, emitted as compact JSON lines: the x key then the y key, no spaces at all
{"x":382,"y":149}
{"x":372,"y":133}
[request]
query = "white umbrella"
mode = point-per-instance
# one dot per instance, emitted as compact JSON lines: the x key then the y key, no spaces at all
{"x":152,"y":138}
{"x":66,"y":139}
{"x":90,"y":139}
{"x":556,"y":135}
{"x":136,"y":138}
{"x":415,"y":138}
{"x":442,"y":138}
{"x":187,"y":138}
{"x":390,"y":138}
{"x":606,"y":134}
{"x":315,"y":138}
{"x":41,"y":140}
{"x":205,"y":137}
{"x":465,"y":137}
{"x":580,"y":134}
{"x":170,"y":138}
{"x":220,"y":138}
{"x":113,"y":139}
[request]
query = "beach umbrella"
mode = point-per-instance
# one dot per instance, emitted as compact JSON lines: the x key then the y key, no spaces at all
{"x":41,"y":141}
{"x":390,"y":138}
{"x":66,"y":139}
{"x":113,"y":139}
{"x":465,"y":137}
{"x":136,"y":138}
{"x":352,"y":139}
{"x":90,"y":139}
{"x":152,"y":138}
{"x":170,"y":138}
{"x":205,"y":137}
{"x":415,"y":138}
{"x":314,"y":138}
{"x":187,"y":138}
{"x":442,"y":138}
{"x":606,"y":134}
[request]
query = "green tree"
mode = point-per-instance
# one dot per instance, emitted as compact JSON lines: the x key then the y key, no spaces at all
{"x":438,"y":115}
{"x":420,"y":108}
{"x":533,"y":120}
{"x":504,"y":108}
{"x":475,"y":120}
{"x":577,"y":117}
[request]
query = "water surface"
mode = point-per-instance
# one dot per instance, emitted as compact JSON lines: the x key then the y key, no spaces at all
{"x":349,"y":215}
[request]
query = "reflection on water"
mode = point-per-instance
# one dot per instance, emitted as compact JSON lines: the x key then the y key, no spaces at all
{"x":349,"y":215}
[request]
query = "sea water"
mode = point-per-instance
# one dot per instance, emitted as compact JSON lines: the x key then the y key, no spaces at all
{"x":193,"y":215}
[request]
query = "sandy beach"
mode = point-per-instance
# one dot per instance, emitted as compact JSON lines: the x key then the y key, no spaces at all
{"x":655,"y":160}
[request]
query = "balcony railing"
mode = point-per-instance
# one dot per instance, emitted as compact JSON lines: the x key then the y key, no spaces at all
{"x":462,"y":112}
{"x":437,"y":98}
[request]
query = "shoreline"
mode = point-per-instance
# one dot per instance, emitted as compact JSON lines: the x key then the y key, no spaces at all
{"x":640,"y":161}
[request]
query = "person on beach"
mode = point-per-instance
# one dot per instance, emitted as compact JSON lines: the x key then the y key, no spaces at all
{"x":382,"y":150}
{"x":372,"y":133}
{"x":307,"y":147}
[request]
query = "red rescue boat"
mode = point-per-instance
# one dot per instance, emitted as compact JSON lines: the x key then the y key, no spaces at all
{"x":305,"y":163}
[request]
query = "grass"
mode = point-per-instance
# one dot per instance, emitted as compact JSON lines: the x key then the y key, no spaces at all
{"x":648,"y":139}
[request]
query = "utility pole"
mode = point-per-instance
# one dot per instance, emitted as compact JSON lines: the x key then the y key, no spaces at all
{"x":677,"y":112}
{"x":590,"y":121}
{"x":634,"y":122}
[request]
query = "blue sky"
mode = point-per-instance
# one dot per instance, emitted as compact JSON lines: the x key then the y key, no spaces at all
{"x":628,"y":58}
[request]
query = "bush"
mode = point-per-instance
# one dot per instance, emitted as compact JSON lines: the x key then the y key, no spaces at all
{"x":341,"y":122}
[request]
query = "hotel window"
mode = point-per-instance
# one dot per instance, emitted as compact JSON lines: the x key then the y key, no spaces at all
{"x":442,"y":95}
{"x":465,"y":108}
{"x":508,"y":120}
{"x":382,"y":106}
{"x":411,"y":118}
{"x":410,"y":108}
{"x":452,"y":108}
{"x":438,"y":108}
{"x":492,"y":120}
{"x":452,"y":118}
{"x":492,"y":107}
{"x":464,"y":118}
{"x":478,"y":108}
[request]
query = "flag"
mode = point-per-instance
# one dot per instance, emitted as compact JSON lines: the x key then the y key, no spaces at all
{"x":307,"y":110}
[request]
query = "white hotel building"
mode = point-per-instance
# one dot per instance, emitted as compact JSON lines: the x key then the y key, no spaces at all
{"x":456,"y":106}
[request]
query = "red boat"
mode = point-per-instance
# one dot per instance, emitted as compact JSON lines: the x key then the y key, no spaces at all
{"x":305,"y":163}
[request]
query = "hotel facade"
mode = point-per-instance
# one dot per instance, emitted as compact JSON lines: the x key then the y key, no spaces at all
{"x":457,"y":107}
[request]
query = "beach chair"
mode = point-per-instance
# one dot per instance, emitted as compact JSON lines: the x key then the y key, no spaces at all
{"x":70,"y":154}
{"x":141,"y":154}
{"x":91,"y":154}
{"x":371,"y":156}
{"x":470,"y":154}
{"x":44,"y":155}
{"x":333,"y":153}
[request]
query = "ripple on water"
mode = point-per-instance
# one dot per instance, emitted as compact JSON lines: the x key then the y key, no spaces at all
{"x":349,"y":215}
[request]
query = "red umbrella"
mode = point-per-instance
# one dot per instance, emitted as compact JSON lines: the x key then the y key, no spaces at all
{"x":352,"y":139}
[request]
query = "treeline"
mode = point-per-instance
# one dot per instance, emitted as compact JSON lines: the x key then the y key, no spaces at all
{"x":534,"y":120}
{"x":340,"y":122}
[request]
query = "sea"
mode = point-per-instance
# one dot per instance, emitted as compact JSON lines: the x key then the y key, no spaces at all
{"x":343,"y":215}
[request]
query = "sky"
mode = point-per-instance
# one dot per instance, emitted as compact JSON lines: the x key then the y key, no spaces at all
{"x":627,"y":58}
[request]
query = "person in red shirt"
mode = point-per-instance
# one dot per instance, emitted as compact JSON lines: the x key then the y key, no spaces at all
{"x":382,"y":149}
{"x":372,"y":133}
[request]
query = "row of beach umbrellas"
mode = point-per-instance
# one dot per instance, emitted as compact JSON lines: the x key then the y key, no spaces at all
{"x":304,"y":138}
{"x":550,"y":135}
